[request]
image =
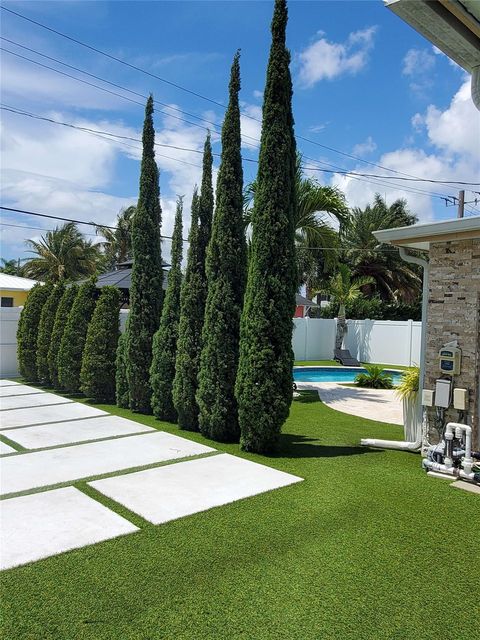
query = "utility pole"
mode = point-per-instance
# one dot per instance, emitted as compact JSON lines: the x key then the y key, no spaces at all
{"x":461,"y":203}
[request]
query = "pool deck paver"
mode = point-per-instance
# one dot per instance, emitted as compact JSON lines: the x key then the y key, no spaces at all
{"x":381,"y":405}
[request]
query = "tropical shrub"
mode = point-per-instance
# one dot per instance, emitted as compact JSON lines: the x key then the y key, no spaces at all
{"x":73,"y":340}
{"x":45,"y":329}
{"x":375,"y":378}
{"x":409,"y":383}
{"x":97,"y":375}
{"x":27,"y":333}
{"x":61,"y":317}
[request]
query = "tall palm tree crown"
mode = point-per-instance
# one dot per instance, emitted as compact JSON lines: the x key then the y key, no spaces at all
{"x":117,"y":243}
{"x":62,"y":254}
{"x":393,"y":279}
{"x":320,"y":209}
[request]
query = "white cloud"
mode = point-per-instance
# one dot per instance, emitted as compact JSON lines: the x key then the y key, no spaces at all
{"x":327,"y":60}
{"x":417,"y":62}
{"x":251,"y":125}
{"x":318,"y":128}
{"x":363,"y":148}
{"x":453,"y":134}
{"x":457,"y":129}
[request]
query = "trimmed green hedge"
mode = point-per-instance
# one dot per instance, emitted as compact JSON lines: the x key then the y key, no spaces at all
{"x":61,"y":317}
{"x":27,"y":332}
{"x":73,"y":340}
{"x":97,"y":375}
{"x":45,"y":329}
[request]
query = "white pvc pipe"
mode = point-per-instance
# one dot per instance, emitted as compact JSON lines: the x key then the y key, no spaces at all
{"x":417,"y":445}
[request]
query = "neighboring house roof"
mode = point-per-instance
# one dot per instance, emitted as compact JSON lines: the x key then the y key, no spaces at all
{"x":419,"y":236}
{"x":15,"y":283}
{"x":121,"y":277}
{"x":300,"y":301}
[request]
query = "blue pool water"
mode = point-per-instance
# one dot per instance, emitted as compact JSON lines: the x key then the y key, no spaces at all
{"x":333,"y":374}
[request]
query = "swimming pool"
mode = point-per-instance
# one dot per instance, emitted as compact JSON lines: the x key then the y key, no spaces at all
{"x":334,"y":374}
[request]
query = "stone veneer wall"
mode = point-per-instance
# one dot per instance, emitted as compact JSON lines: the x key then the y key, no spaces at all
{"x":454,"y":314}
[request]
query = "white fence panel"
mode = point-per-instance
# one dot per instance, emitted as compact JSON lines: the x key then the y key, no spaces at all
{"x":313,"y":339}
{"x":9,"y":317}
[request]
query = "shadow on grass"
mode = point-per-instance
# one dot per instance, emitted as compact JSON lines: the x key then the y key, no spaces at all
{"x":297,"y":446}
{"x":307,"y":397}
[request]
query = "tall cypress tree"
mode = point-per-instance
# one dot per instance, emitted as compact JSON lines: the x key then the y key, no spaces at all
{"x":27,"y":332}
{"x":122,"y":396}
{"x":226,"y":274}
{"x":45,"y":329}
{"x":205,"y":215}
{"x":69,"y":358}
{"x":162,"y":372}
{"x":146,"y":288}
{"x":97,"y":375}
{"x":189,"y":331}
{"x":61,"y":317}
{"x":264,"y":380}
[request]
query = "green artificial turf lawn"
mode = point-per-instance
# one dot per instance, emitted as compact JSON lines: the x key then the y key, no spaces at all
{"x":367,"y":546}
{"x":317,"y":363}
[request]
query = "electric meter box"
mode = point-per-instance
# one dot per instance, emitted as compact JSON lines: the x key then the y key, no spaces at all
{"x":450,"y":360}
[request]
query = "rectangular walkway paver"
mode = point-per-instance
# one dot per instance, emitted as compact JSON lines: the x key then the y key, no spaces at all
{"x":54,"y":466}
{"x":7,"y":383}
{"x":13,"y":418}
{"x":18,"y":390}
{"x":177,"y":490}
{"x":52,"y":435}
{"x":5,"y":448}
{"x":45,"y":524}
{"x":31,"y":400}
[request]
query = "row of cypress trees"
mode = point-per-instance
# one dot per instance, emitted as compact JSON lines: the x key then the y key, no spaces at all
{"x":217,"y":355}
{"x":67,"y":339}
{"x":233,"y":363}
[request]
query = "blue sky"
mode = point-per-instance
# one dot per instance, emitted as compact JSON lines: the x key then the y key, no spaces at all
{"x":364,"y":83}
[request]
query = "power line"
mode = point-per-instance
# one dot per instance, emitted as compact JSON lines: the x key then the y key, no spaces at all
{"x":47,"y":215}
{"x":221,"y":105}
{"x":101,"y":133}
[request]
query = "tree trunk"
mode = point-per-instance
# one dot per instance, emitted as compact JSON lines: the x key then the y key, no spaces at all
{"x":341,"y":327}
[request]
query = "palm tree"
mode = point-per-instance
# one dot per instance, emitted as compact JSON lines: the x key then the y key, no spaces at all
{"x":117,"y":246}
{"x":318,"y":206}
{"x":342,"y":289}
{"x":11,"y":267}
{"x":62,"y":254}
{"x":393,"y":279}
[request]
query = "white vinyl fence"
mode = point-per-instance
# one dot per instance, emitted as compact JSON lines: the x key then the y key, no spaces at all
{"x":388,"y":342}
{"x":9,"y":317}
{"x":385,"y":341}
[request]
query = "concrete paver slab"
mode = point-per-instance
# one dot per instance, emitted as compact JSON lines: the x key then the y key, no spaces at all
{"x":45,"y":524}
{"x":18,"y":390}
{"x":31,"y":400}
{"x":54,"y":466}
{"x":14,"y":418}
{"x":181,"y":489}
{"x":52,"y":435}
{"x":6,"y":383}
{"x":5,"y":448}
